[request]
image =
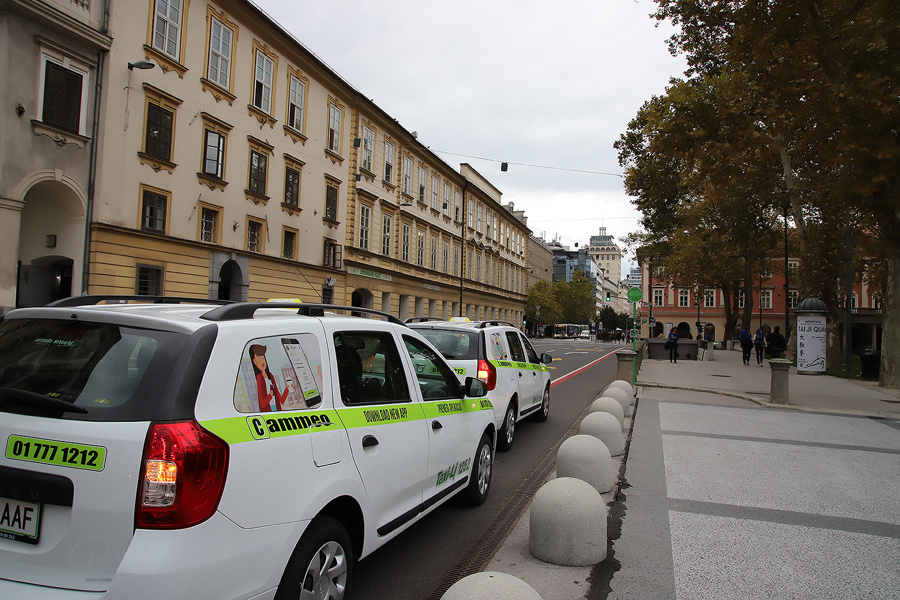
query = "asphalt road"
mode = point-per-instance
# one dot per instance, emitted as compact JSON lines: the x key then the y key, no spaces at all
{"x":416,"y":563}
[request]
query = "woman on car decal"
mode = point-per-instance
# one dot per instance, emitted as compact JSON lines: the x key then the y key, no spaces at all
{"x":269,"y":398}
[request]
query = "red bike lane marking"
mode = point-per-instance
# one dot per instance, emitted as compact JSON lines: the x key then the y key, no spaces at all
{"x":567,"y":376}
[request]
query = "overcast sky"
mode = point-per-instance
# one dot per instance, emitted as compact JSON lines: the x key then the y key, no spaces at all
{"x":546,"y":84}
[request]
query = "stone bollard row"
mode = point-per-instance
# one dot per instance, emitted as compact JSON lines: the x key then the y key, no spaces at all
{"x":568,"y":523}
{"x":611,"y":406}
{"x":490,"y":585}
{"x":586,"y":458}
{"x":605,"y":427}
{"x":620,"y":395}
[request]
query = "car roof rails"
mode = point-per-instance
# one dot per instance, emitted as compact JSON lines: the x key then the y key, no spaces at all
{"x":246,"y":310}
{"x":94,"y":299}
{"x":421,"y":319}
{"x":484,"y":324}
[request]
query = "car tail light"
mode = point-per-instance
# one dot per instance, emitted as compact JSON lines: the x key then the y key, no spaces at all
{"x":182,"y":477}
{"x":487,"y":373}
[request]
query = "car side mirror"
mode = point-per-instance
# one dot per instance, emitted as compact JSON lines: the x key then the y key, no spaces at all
{"x":546,"y":358}
{"x":475,"y":387}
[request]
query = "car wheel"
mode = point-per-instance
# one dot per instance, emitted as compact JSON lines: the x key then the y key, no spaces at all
{"x":321,"y":564}
{"x":542,"y":414}
{"x":508,"y":431}
{"x":476,"y":491}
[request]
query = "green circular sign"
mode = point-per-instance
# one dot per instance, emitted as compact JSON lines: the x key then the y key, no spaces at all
{"x":634,"y":294}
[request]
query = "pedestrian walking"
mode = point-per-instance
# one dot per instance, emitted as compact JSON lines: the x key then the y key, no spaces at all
{"x":759,"y":343}
{"x":672,"y":345}
{"x":746,"y":340}
{"x":777,"y":343}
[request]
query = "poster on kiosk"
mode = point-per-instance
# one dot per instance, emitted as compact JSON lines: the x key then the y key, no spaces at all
{"x":811,"y":344}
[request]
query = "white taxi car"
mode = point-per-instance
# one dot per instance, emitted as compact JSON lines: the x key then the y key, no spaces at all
{"x":496,"y":352}
{"x":240,"y":451}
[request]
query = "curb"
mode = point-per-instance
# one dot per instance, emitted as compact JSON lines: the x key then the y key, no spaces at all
{"x":764,"y":404}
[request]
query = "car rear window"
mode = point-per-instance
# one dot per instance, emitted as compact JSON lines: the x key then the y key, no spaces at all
{"x":88,"y":371}
{"x":454,"y":345}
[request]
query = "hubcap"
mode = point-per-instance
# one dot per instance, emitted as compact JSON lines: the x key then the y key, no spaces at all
{"x":484,"y":469}
{"x":510,"y":425}
{"x":326,"y":575}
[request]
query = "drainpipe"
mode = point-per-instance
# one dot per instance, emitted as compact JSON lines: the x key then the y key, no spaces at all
{"x":462,"y":249}
{"x":92,"y":169}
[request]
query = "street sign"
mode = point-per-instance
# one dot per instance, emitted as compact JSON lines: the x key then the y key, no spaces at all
{"x":634,"y":294}
{"x":651,"y":321}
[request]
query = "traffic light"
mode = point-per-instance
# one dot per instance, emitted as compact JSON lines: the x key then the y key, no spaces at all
{"x":608,"y":296}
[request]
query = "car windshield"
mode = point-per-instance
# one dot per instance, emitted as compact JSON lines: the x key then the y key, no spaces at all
{"x":80,"y":370}
{"x":454,"y":345}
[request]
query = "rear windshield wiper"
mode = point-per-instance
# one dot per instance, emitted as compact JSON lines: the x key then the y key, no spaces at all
{"x":30,"y":399}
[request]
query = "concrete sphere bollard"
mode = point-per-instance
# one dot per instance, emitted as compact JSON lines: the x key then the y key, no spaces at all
{"x":620,"y":395}
{"x":605,"y":428}
{"x":568,"y":523}
{"x":586,"y":458}
{"x":622,"y":385}
{"x":609,"y":405}
{"x":490,"y":585}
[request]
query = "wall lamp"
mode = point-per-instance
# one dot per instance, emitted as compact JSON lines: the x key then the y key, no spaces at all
{"x":140,"y":64}
{"x":406,"y":203}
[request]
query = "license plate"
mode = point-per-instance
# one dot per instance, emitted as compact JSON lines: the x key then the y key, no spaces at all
{"x":20,"y":521}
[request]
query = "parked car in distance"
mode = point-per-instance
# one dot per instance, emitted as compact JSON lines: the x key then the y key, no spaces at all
{"x":517,"y":378}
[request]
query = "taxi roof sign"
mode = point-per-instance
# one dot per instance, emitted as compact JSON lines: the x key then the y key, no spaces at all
{"x":285,"y":300}
{"x":460,"y":319}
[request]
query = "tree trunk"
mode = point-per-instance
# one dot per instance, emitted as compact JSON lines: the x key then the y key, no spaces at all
{"x":730,"y":302}
{"x":747,"y":315}
{"x":890,"y":326}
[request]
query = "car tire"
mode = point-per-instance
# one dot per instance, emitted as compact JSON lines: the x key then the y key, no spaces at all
{"x":541,"y":415}
{"x":321,"y":565}
{"x":476,"y":491}
{"x":508,"y":431}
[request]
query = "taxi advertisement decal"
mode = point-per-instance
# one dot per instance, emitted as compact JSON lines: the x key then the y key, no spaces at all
{"x":61,"y":454}
{"x":508,"y":364}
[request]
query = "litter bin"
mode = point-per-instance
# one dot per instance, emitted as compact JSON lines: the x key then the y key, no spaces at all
{"x":870,"y":363}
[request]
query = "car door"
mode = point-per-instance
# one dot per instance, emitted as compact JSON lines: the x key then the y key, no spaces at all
{"x":450,"y":420}
{"x":529,"y":392}
{"x":384,"y":423}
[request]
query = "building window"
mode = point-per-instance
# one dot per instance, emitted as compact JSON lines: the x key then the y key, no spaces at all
{"x":258,"y":167}
{"x":684,"y":298}
{"x":457,"y":207}
{"x":478,"y":219}
{"x":740,"y":298}
{"x":368,"y":148}
{"x":335,"y":116}
{"x":407,"y":175}
{"x":446,"y":205}
{"x":435,"y":193}
{"x":478,"y":267}
{"x":213,"y":153}
{"x":154,"y":206}
{"x":292,"y":186}
{"x":389,"y":162}
{"x":471,"y":210}
{"x":434,"y":252}
{"x":423,"y":178}
{"x":167,"y":28}
{"x":404,"y":243}
{"x":295,"y":103}
{"x":220,"y":36}
{"x":709,"y":300}
{"x":658,"y":297}
{"x":289,"y":243}
{"x":765,"y":299}
{"x":148,"y":280}
{"x":446,"y":263}
{"x":333,"y":254}
{"x":63,"y":91}
{"x":365,"y":214}
{"x":209,"y":224}
{"x":331,"y":201}
{"x":420,"y":248}
{"x":255,"y":239}
{"x":488,"y":219}
{"x":456,"y":260}
{"x":471,"y":263}
{"x":158,"y":140}
{"x":262,"y":82}
{"x":386,"y":225}
{"x":793,"y":298}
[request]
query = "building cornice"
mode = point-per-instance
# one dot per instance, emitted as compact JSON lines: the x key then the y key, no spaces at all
{"x":59,"y":23}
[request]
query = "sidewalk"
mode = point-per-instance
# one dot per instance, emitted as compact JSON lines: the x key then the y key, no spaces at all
{"x":725,"y":495}
{"x":728,"y":376}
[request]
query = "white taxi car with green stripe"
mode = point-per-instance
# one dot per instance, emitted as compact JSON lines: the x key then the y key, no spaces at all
{"x":496,"y":352}
{"x":249,"y":450}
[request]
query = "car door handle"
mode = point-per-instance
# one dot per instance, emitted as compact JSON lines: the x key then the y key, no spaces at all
{"x":435,"y":425}
{"x":369,"y":440}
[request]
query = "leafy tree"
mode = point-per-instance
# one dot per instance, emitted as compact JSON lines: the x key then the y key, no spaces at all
{"x":578,"y":304}
{"x":541,"y":294}
{"x":821,"y":79}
